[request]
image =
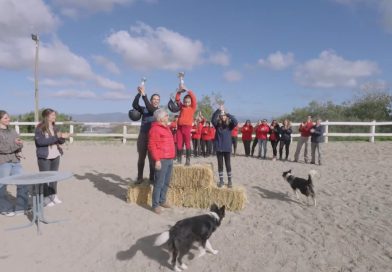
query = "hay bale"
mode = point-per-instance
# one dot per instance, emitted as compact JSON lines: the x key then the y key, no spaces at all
{"x":195,"y":176}
{"x":140,"y":194}
{"x":234,"y":198}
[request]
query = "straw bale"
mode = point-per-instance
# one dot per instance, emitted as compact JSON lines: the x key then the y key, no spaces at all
{"x":195,"y":176}
{"x":234,"y":198}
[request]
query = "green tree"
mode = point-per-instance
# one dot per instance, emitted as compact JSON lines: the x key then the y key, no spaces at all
{"x":209,"y":103}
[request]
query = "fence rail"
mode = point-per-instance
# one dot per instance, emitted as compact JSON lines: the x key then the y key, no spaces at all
{"x":125,"y":125}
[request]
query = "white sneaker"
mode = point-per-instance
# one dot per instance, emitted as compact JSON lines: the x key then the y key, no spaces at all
{"x":8,"y":214}
{"x":56,"y":199}
{"x":48,"y":202}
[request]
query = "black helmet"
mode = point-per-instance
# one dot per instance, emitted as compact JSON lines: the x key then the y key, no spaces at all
{"x":134,"y":115}
{"x":173,"y":106}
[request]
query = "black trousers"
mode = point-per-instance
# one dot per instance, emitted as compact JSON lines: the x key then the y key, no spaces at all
{"x":284,"y":144}
{"x":49,"y":165}
{"x":247,"y":146}
{"x":196,"y":147}
{"x":226,"y":156}
{"x":274,"y":145}
{"x":234,"y":141}
{"x":142,"y":149}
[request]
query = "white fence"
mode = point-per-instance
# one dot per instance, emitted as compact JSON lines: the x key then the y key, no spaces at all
{"x":125,"y":135}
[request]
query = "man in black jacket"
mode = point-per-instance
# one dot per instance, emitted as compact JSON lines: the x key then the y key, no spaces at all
{"x":142,"y":141}
{"x":317,"y":137}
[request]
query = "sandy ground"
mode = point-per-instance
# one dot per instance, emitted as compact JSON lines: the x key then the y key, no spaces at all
{"x":349,"y":230}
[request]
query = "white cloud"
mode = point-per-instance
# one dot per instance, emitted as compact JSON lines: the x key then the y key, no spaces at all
{"x":145,"y":48}
{"x":277,"y":60}
{"x":330,"y":70}
{"x":116,"y":96}
{"x":74,"y":8}
{"x":18,"y":19}
{"x":384,"y":7}
{"x":109,"y":84}
{"x":109,"y":65}
{"x":74,"y":94}
{"x":21,"y":18}
{"x":59,"y":82}
{"x":220,"y":58}
{"x":232,"y":76}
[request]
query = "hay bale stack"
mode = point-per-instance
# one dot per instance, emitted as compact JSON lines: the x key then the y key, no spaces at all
{"x":196,"y":176}
{"x":192,"y":186}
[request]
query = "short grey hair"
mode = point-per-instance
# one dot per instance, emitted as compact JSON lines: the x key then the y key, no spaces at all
{"x":159,"y":114}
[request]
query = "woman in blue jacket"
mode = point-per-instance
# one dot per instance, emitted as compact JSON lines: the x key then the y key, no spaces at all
{"x":48,"y":139}
{"x":224,"y":123}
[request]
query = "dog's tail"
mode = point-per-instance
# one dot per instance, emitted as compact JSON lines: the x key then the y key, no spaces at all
{"x":162,"y":238}
{"x":312,"y":176}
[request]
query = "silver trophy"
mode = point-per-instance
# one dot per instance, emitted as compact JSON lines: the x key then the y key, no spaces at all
{"x":181,"y":76}
{"x":143,"y":81}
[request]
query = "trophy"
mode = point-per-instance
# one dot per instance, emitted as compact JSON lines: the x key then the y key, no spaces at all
{"x":181,"y":76}
{"x":143,"y":81}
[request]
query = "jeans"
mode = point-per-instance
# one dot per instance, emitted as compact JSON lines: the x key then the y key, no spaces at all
{"x":314,"y":147}
{"x":161,"y":183}
{"x":262,"y":148}
{"x":301,"y":141}
{"x":22,"y":191}
{"x":49,"y":165}
{"x":247,"y":147}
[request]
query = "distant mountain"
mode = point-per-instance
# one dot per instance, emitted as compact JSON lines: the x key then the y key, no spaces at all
{"x":101,"y":117}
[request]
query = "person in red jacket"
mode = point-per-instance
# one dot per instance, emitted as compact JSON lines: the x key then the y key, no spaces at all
{"x":196,"y":135}
{"x":211,"y":136}
{"x":274,"y":138}
{"x":161,"y":146}
{"x":262,"y":137}
{"x":255,"y":140}
{"x":187,"y":111}
{"x":247,"y":131}
{"x":234,"y":136}
{"x":304,"y":129}
{"x":204,"y":139}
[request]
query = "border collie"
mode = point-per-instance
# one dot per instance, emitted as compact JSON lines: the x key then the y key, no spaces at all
{"x":301,"y":184}
{"x":186,"y":232}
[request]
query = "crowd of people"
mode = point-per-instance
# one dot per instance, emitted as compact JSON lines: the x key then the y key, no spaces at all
{"x":162,"y":142}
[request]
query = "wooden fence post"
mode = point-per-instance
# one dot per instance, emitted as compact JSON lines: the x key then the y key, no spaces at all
{"x":326,"y":132}
{"x":71,"y":131}
{"x":124,"y":140}
{"x":17,"y":129}
{"x":372,"y":131}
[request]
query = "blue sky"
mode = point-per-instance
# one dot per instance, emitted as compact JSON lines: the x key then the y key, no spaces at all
{"x":264,"y":57}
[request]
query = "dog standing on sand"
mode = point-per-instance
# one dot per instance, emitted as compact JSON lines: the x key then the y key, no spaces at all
{"x":186,"y":232}
{"x":301,"y":184}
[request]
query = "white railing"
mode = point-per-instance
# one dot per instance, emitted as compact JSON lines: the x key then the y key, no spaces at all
{"x":125,"y":135}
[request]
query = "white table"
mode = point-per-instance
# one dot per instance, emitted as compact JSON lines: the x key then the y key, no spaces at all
{"x":37,"y":180}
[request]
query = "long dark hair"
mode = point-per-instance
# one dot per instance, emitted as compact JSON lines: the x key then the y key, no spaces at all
{"x":44,"y":125}
{"x":2,"y":113}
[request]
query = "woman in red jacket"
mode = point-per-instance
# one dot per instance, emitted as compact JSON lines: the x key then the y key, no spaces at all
{"x":247,"y":131}
{"x":196,"y":136}
{"x":234,"y":136}
{"x":204,"y":138}
{"x":262,"y":137}
{"x":274,"y":138}
{"x":210,"y":144}
{"x":161,"y":146}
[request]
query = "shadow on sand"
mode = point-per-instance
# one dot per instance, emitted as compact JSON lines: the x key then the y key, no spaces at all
{"x":264,"y":193}
{"x":146,"y":246}
{"x":108,"y":183}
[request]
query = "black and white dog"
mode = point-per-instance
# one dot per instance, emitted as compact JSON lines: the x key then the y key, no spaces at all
{"x":301,"y":184}
{"x":186,"y":232}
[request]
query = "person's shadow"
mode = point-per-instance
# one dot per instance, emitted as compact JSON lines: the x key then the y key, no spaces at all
{"x":146,"y":246}
{"x":108,"y":183}
{"x":264,"y":193}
